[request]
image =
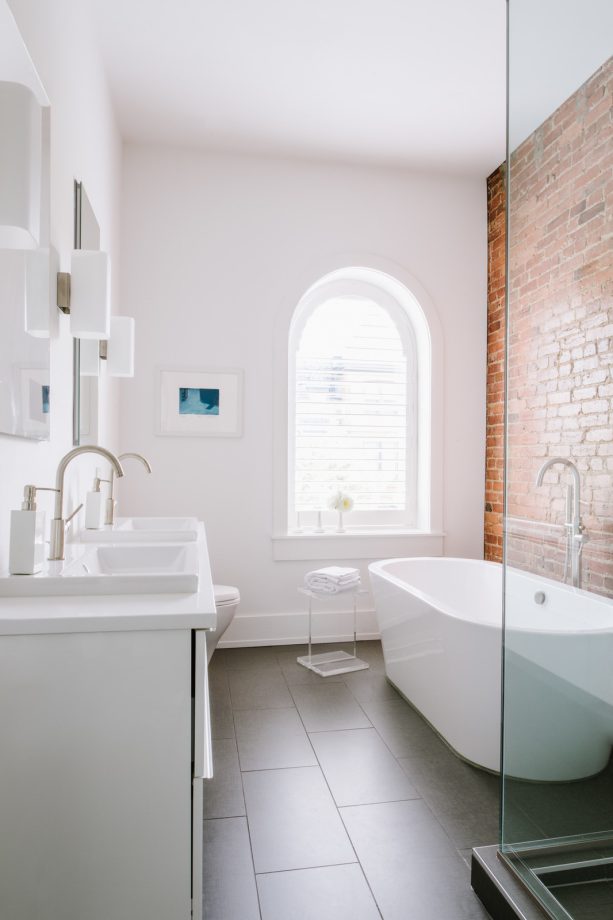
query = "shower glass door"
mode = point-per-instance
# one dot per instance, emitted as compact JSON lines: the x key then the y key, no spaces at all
{"x":557,"y":812}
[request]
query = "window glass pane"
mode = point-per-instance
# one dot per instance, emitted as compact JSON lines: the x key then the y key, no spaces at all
{"x":351,"y":407}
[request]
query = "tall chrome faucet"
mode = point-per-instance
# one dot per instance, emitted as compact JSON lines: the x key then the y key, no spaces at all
{"x":110,"y":502}
{"x":575,"y":535}
{"x":58,"y":524}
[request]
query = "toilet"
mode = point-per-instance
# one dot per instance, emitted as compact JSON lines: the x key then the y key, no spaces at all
{"x":226,"y":601}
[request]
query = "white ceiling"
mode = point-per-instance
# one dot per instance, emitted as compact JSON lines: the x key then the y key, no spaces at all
{"x":412,"y":83}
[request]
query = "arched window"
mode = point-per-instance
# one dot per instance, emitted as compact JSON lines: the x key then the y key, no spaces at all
{"x":358,"y":419}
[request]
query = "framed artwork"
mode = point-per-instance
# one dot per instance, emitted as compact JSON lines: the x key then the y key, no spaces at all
{"x":200,"y":403}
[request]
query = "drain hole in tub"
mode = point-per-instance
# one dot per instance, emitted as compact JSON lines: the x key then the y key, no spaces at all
{"x":540,"y":597}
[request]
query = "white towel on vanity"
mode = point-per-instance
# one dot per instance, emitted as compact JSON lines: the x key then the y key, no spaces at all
{"x":332,"y":579}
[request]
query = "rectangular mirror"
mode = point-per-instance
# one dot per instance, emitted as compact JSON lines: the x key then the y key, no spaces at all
{"x":25,"y":277}
{"x":86,"y":364}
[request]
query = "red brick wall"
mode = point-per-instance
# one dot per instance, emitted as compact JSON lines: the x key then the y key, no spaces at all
{"x":496,"y":212}
{"x":560,"y":387}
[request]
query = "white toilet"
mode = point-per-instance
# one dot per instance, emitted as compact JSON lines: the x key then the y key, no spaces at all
{"x":227,"y":600}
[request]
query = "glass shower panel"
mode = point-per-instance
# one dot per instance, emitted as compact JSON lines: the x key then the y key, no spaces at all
{"x":557,"y":812}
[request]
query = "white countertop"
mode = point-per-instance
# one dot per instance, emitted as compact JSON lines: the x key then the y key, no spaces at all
{"x":113,"y":612}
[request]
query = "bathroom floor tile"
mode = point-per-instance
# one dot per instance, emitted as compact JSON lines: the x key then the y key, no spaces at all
{"x":329,"y":707}
{"x":326,"y":893}
{"x":223,"y":795}
{"x":293,"y":821}
{"x":245,"y":659}
{"x":271,"y":739}
{"x":360,"y":769}
{"x":411,"y":866}
{"x":229,"y":889}
{"x":368,"y":685}
{"x":402,"y":728}
{"x":222,"y":721}
{"x":256,"y":689}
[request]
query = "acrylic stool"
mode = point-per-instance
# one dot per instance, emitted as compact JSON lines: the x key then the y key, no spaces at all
{"x":327,"y":664}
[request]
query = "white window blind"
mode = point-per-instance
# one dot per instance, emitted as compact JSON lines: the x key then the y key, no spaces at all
{"x":351,"y":408}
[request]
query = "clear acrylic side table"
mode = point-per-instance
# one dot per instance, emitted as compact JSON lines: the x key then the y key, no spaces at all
{"x":327,"y":664}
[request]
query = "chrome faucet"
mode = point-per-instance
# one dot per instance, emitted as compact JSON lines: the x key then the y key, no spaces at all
{"x":58,"y":524}
{"x":110,"y":502}
{"x":575,"y":534}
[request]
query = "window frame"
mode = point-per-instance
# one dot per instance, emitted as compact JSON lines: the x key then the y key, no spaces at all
{"x":428,"y":538}
{"x":314,"y":298}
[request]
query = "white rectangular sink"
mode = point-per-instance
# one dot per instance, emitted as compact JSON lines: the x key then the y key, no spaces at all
{"x":144,"y":569}
{"x":145,"y":530}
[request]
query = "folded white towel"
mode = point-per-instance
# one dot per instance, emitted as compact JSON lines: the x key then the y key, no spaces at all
{"x":332,"y":579}
{"x":336,"y":573}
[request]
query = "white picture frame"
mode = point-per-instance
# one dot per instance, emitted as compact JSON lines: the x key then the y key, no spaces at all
{"x":200,"y":403}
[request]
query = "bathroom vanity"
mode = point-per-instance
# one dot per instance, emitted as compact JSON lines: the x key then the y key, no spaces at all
{"x":105,"y":740}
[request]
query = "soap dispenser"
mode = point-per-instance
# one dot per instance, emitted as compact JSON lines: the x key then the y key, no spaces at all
{"x":27,"y":546}
{"x":94,"y":506}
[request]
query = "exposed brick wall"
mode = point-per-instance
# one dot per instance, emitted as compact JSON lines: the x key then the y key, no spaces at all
{"x":560,"y":387}
{"x":496,"y":234}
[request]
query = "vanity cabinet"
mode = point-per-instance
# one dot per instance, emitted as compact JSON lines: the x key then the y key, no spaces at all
{"x":104,"y":741}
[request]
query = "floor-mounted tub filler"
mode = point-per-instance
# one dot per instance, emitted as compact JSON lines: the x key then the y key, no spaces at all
{"x":441,"y":630}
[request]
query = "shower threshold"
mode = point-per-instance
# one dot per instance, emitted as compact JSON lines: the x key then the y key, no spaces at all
{"x":571,"y":878}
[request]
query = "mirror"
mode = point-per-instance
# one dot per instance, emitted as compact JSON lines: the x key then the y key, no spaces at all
{"x":86,"y":362}
{"x":25,"y":277}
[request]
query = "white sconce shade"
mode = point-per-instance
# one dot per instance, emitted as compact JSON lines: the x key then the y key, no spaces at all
{"x":37,"y":297}
{"x":90,"y":308}
{"x":20,"y":167}
{"x":120,"y":352}
{"x":89,"y":358}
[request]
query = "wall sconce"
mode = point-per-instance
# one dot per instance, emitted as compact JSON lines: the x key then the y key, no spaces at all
{"x":21,"y":160}
{"x":118,"y":351}
{"x":120,"y":347}
{"x":84,"y":293}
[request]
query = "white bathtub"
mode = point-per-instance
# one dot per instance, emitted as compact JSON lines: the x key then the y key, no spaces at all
{"x":441,"y":629}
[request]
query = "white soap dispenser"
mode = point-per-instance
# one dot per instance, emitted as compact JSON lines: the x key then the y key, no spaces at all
{"x":94,"y":506}
{"x":27,"y":546}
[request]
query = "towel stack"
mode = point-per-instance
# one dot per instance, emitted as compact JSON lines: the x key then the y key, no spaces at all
{"x":332,"y":579}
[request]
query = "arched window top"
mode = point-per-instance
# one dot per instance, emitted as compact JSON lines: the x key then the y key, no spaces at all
{"x":359,"y":354}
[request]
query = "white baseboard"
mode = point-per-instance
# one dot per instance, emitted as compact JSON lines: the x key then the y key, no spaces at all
{"x":291,"y":628}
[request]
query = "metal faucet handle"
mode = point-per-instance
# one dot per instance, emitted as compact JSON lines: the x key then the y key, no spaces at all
{"x":72,"y":514}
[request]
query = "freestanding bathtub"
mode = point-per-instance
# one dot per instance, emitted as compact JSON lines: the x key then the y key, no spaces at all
{"x":441,"y":629}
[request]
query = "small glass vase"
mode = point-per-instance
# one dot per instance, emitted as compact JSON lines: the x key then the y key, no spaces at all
{"x":340,"y":528}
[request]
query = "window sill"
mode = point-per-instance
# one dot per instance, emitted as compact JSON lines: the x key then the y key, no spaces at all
{"x":365,"y":544}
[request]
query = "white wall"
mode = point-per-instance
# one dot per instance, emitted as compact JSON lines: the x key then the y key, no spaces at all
{"x":216,"y":249}
{"x":86,"y":145}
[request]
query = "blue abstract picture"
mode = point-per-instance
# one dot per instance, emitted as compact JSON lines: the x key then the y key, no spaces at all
{"x":45,"y":397}
{"x":195,"y":401}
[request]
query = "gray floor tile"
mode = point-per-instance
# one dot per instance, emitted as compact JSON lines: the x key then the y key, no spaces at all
{"x":222,"y":721}
{"x":464,"y":799}
{"x":391,"y":841}
{"x":229,"y":881}
{"x":360,"y":769}
{"x":370,"y":685}
{"x":245,"y":659}
{"x":256,"y":689}
{"x":329,"y":707}
{"x":326,"y":893}
{"x":270,"y":739}
{"x":223,"y":795}
{"x":402,"y":728}
{"x":293,"y":821}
